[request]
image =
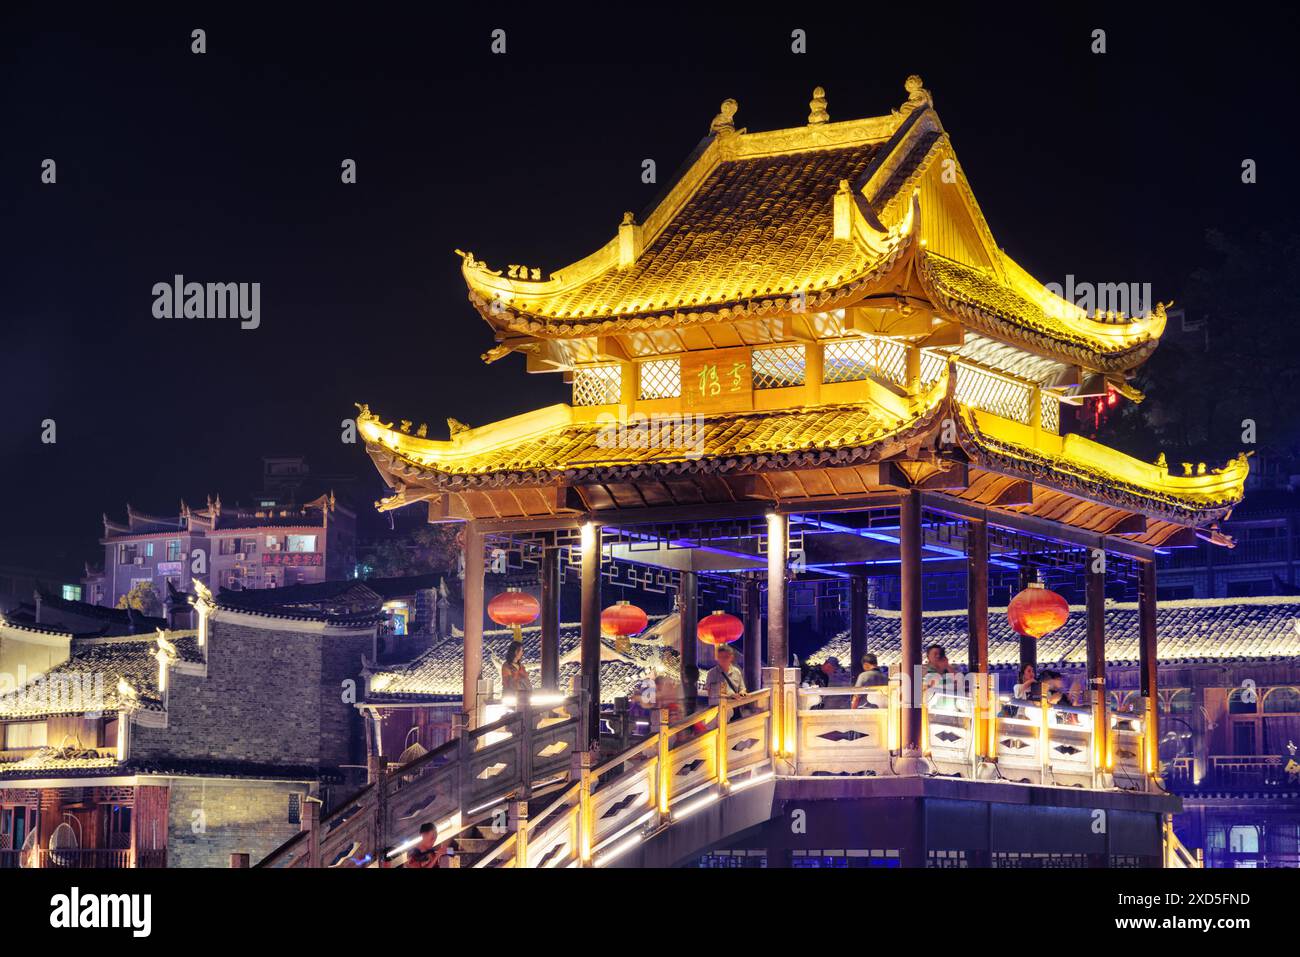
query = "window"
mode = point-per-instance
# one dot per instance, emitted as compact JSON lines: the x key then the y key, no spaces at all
{"x":23,"y":735}
{"x":852,"y":360}
{"x":126,"y":554}
{"x":173,"y":550}
{"x":1242,"y":701}
{"x":72,"y":593}
{"x":1282,"y":701}
{"x":778,"y":368}
{"x":229,"y":546}
{"x":300,"y":543}
{"x":148,"y":549}
{"x":1244,"y":839}
{"x":597,"y":385}
{"x":661,"y":379}
{"x":272,"y":543}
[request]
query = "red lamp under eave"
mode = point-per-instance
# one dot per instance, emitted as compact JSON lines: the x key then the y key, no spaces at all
{"x":1037,"y":611}
{"x":514,"y":608}
{"x":622,"y":620}
{"x":719,"y":628}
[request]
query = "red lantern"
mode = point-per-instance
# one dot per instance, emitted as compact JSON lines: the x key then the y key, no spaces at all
{"x":514,"y":608}
{"x":719,"y":628}
{"x":1037,"y":611}
{"x":622,"y":620}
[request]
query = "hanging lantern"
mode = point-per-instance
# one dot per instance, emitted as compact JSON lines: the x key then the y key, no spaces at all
{"x":515,"y":609}
{"x":719,"y":628}
{"x":621,"y":621}
{"x":1037,"y":611}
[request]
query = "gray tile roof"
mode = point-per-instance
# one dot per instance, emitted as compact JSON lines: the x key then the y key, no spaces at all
{"x":1192,"y":630}
{"x":436,"y":674}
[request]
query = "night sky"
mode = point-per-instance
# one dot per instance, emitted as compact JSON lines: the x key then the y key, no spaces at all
{"x":225,"y":167}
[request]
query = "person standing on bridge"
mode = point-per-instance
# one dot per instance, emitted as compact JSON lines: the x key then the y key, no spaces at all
{"x":514,"y":676}
{"x":725,"y":679}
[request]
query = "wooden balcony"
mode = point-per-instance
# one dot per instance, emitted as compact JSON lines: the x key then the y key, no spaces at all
{"x":111,"y":859}
{"x":1230,"y":772}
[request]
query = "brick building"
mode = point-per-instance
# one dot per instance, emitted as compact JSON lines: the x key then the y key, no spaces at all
{"x":241,"y":547}
{"x":180,"y":747}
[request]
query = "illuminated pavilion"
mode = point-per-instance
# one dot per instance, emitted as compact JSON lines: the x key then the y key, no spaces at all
{"x":810,"y":359}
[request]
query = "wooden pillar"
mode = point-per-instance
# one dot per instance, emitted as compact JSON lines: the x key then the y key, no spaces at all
{"x":550,"y":622}
{"x":689,"y":616}
{"x":778,"y":538}
{"x":857,"y":623}
{"x":753,"y":646}
{"x":472,"y":656}
{"x":590,"y":639}
{"x":977,"y":624}
{"x":1096,"y":654}
{"x":909,"y":547}
{"x":1148,"y":664}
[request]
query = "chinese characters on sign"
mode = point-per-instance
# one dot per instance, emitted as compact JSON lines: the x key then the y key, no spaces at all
{"x":717,"y":381}
{"x":291,"y":558}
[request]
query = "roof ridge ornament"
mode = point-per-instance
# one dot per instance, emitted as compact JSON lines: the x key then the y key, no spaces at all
{"x":918,"y":97}
{"x":817,"y":113}
{"x":725,"y":121}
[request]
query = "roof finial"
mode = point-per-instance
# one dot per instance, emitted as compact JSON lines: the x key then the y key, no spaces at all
{"x":817,"y":108}
{"x":724,"y":122}
{"x":917,"y":95}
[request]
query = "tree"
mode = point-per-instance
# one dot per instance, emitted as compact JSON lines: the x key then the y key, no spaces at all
{"x":144,"y":599}
{"x":1201,"y":393}
{"x":418,"y":551}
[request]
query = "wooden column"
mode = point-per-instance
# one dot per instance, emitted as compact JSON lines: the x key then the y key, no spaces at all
{"x":590,"y":640}
{"x":753,"y":647}
{"x":689,"y":617}
{"x":551,"y":619}
{"x":909,"y":547}
{"x":778,"y":538}
{"x":472,"y":655}
{"x":977,"y":625}
{"x":1096,"y":655}
{"x":857,"y":623}
{"x":1148,"y":664}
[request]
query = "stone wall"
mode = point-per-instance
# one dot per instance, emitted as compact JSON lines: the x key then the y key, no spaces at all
{"x":208,"y":820}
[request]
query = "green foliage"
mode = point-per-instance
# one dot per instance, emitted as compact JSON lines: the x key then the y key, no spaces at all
{"x":420,"y":551}
{"x":1201,"y":387}
{"x":144,"y":599}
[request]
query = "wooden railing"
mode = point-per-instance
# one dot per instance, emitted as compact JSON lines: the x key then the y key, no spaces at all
{"x":1230,"y":772}
{"x":1027,"y":741}
{"x":449,"y":786}
{"x":597,"y":811}
{"x":675,"y":772}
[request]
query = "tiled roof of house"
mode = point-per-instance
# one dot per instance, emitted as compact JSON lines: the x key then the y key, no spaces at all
{"x":848,"y":434}
{"x":1188,"y":631}
{"x":436,"y":674}
{"x":88,"y":680}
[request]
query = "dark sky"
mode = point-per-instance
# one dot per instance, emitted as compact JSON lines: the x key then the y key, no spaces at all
{"x":225,"y":167}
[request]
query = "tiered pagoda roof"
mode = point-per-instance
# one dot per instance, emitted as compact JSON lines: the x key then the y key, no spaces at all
{"x":852,"y":259}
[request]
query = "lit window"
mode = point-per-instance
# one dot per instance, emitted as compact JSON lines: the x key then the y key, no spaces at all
{"x":173,"y":550}
{"x":72,"y":593}
{"x":597,"y":385}
{"x":148,"y":549}
{"x":661,"y":379}
{"x":778,"y":368}
{"x":300,"y":543}
{"x":23,"y":735}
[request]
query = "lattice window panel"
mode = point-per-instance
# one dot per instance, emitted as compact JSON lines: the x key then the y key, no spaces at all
{"x":993,"y":393}
{"x":852,"y":360}
{"x":1050,"y":407}
{"x":778,"y":368}
{"x":597,"y":385}
{"x":661,"y":379}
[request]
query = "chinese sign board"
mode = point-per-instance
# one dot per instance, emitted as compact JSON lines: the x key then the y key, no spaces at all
{"x":291,"y":558}
{"x":717,"y":381}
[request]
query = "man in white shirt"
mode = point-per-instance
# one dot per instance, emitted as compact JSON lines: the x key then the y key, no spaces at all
{"x":724,"y":679}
